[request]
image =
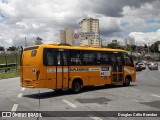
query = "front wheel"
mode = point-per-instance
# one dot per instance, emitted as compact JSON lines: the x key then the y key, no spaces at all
{"x":76,"y":87}
{"x":127,"y":82}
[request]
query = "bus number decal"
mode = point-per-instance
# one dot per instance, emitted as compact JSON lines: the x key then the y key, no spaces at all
{"x":105,"y":71}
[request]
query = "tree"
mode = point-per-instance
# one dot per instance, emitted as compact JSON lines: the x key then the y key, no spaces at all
{"x":64,"y":44}
{"x":38,"y":41}
{"x":154,"y":47}
{"x":133,"y":47}
{"x":13,"y":48}
{"x":2,"y":48}
{"x":114,"y":45}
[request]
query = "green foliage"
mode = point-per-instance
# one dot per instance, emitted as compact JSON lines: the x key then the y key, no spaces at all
{"x":9,"y":58}
{"x":115,"y":46}
{"x":154,"y":47}
{"x":38,"y":38}
{"x":9,"y":75}
{"x":13,"y":48}
{"x":1,"y":48}
{"x":133,"y":47}
{"x":148,"y":57}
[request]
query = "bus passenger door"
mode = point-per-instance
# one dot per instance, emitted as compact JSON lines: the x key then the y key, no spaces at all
{"x":62,"y":70}
{"x":117,"y":67}
{"x":50,"y":64}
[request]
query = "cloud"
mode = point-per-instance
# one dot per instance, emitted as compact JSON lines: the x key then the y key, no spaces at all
{"x":110,"y":27}
{"x":145,"y":38}
{"x":32,"y":18}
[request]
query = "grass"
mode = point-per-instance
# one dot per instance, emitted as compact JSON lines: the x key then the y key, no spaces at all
{"x":9,"y":75}
{"x":9,"y":58}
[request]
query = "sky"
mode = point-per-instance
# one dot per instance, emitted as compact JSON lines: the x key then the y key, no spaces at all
{"x":118,"y":19}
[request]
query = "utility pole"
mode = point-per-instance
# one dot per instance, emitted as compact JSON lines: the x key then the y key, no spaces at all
{"x":136,"y":52}
{"x":25,"y":42}
{"x":148,"y":48}
{"x":101,"y":44}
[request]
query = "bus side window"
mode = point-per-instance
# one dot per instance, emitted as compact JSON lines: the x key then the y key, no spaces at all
{"x":75,"y":57}
{"x":119,"y":61}
{"x":127,"y":60}
{"x":48,"y":57}
{"x":97,"y":59}
{"x":104,"y":58}
{"x":59,"y":59}
{"x":64,"y":58}
{"x":114,"y":62}
{"x":88,"y":57}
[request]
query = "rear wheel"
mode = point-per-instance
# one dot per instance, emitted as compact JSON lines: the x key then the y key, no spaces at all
{"x":76,"y":86}
{"x":127,"y":82}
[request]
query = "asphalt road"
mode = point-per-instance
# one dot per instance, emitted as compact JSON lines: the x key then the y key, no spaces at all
{"x":144,"y":95}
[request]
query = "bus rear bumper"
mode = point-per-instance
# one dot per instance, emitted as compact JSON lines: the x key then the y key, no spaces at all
{"x":30,"y":84}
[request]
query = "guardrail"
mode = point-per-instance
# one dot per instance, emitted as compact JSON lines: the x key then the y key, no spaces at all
{"x":9,"y":62}
{"x":8,"y":65}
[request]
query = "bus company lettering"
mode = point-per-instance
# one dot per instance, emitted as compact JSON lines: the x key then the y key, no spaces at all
{"x":105,"y":69}
{"x":79,"y":69}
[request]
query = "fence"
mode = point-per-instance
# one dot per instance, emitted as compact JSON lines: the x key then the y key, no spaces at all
{"x":9,"y":61}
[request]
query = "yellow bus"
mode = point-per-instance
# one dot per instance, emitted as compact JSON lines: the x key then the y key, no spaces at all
{"x":72,"y":67}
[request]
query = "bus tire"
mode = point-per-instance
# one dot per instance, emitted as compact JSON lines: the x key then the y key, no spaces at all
{"x":76,"y":86}
{"x":127,"y":82}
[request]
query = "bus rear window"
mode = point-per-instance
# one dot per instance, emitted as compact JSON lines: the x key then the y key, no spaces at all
{"x":33,"y":53}
{"x":31,"y":48}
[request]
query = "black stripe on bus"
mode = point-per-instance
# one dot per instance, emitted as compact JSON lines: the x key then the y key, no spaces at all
{"x":21,"y":56}
{"x":31,"y":48}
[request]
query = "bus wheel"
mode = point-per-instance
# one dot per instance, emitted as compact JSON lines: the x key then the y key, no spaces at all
{"x":76,"y":86}
{"x":127,"y":82}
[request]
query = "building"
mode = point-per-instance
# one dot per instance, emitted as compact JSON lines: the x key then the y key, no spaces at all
{"x":129,"y":41}
{"x":63,"y":36}
{"x":114,"y":41}
{"x":38,"y":41}
{"x":69,"y":36}
{"x":90,"y":25}
{"x":66,"y":36}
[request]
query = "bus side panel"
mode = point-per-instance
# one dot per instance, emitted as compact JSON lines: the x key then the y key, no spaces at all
{"x":74,"y":73}
{"x":103,"y":76}
{"x":90,"y":75}
{"x":41,"y":68}
{"x":128,"y":70}
{"x":51,"y":77}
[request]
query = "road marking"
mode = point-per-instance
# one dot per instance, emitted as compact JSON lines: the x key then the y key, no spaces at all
{"x":23,"y":89}
{"x":19,"y":95}
{"x":69,"y":103}
{"x":96,"y":118}
{"x":156,"y":95}
{"x":135,"y":89}
{"x":14,"y":108}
